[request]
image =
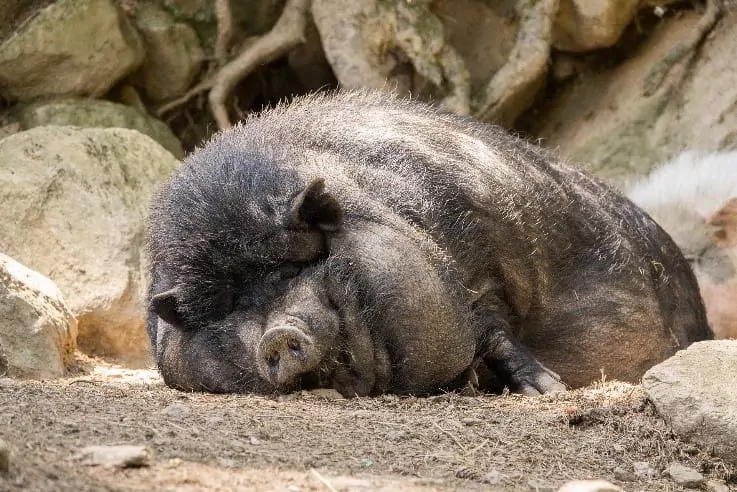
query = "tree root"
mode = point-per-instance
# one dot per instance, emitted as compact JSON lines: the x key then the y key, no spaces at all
{"x":202,"y":86}
{"x":225,"y":30}
{"x":430,"y":53}
{"x":687,"y":48}
{"x":288,"y":32}
{"x":513,"y":88}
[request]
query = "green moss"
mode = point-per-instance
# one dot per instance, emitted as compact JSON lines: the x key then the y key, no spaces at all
{"x":87,"y":113}
{"x":251,"y":18}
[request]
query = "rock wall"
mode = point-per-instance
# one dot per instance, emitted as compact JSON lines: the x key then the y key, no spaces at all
{"x":603,"y":120}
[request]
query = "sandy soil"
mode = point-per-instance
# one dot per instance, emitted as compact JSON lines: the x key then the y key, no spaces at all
{"x":307,"y":441}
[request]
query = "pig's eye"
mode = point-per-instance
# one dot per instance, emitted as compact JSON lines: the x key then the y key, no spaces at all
{"x":289,"y":270}
{"x":226,"y":301}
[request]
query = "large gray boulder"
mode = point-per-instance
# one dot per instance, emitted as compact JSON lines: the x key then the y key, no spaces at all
{"x":37,"y":330}
{"x":173,"y":53}
{"x":72,"y":206}
{"x":95,"y":113}
{"x":695,"y":391}
{"x":586,"y":25}
{"x":71,"y":47}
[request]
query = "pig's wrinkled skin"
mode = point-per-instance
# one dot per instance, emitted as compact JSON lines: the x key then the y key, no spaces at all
{"x":377,"y":245}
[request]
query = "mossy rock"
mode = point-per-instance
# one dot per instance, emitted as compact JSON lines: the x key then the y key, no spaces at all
{"x":90,"y":113}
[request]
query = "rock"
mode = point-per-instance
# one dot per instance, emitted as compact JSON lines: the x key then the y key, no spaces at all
{"x":73,"y":204}
{"x":685,"y":476}
{"x":308,"y":62}
{"x":122,"y":456}
{"x":91,"y":113}
{"x":13,"y":13}
{"x":644,"y":471}
{"x":602,"y":122}
{"x":177,"y":411}
{"x":392,"y":45}
{"x":695,"y":391}
{"x":482,"y":32}
{"x":624,"y":475}
{"x":492,"y":477}
{"x":249,"y":18}
{"x":173,"y":53}
{"x":4,"y":457}
{"x":9,"y":129}
{"x":37,"y":329}
{"x":716,"y":486}
{"x":326,"y":393}
{"x":586,"y":25}
{"x":589,"y":486}
{"x":71,"y":47}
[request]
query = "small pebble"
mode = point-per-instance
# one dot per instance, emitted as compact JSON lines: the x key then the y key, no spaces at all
{"x":173,"y":463}
{"x":492,"y":477}
{"x":716,"y":486}
{"x":589,"y":486}
{"x":327,"y":393}
{"x":123,"y":456}
{"x":623,"y":475}
{"x":4,"y":457}
{"x":177,"y":411}
{"x":683,"y":475}
{"x":226,"y":462}
{"x":287,"y":397}
{"x":467,"y":473}
{"x":471,"y":421}
{"x":644,"y":470}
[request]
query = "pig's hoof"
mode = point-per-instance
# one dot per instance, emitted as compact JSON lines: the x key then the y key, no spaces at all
{"x":539,"y":382}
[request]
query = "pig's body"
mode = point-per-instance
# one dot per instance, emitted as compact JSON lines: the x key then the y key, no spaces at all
{"x":436,"y":243}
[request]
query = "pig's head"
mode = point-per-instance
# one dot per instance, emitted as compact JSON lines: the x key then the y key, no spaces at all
{"x":282,"y":341}
{"x":244,"y":253}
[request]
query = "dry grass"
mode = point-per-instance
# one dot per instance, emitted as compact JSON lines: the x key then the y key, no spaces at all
{"x":227,"y":442}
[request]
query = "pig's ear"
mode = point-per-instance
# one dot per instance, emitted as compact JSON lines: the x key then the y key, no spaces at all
{"x":165,"y":306}
{"x":313,"y":207}
{"x":725,"y":219}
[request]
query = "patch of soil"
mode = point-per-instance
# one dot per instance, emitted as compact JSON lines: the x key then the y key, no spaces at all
{"x":302,"y":442}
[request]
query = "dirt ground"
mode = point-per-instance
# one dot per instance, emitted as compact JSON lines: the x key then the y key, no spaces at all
{"x":309,"y":442}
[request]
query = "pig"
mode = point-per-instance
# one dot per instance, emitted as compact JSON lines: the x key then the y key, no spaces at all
{"x":694,"y":198}
{"x":721,"y":308}
{"x":373,"y":244}
{"x":681,"y":195}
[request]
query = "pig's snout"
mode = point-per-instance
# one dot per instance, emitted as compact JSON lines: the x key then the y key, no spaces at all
{"x":285,"y":352}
